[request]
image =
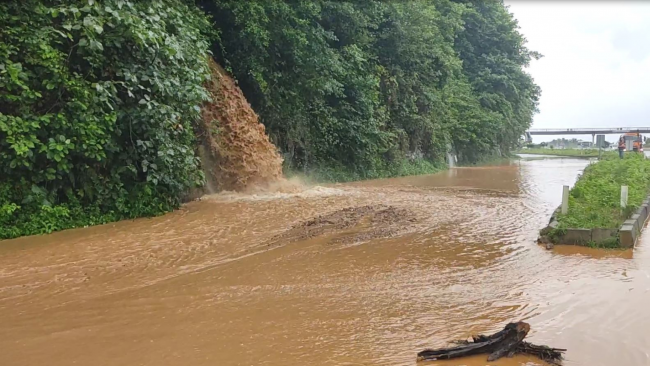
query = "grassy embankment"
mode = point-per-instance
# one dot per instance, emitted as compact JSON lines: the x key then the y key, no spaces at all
{"x":406,"y":167}
{"x":594,"y":201}
{"x":340,"y":174}
{"x":583,"y":153}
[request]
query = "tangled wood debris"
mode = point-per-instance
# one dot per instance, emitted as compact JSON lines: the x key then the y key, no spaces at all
{"x":508,"y":342}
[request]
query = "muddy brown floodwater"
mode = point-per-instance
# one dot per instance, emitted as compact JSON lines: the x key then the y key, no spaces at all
{"x":367,"y":273}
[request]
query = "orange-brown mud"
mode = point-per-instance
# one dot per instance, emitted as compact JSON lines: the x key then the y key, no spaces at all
{"x":368,"y":273}
{"x":235,"y":151}
{"x":352,"y":225}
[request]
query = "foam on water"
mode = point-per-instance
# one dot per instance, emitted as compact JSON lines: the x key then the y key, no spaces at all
{"x":305,"y":192}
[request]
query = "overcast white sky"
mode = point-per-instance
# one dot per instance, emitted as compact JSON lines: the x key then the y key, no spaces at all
{"x":596,"y":66}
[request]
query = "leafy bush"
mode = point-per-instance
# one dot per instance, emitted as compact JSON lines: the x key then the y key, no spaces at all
{"x":97,"y":105}
{"x":337,"y":172}
{"x":594,"y":201}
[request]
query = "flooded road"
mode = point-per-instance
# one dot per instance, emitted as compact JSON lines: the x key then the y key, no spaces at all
{"x":367,"y":273}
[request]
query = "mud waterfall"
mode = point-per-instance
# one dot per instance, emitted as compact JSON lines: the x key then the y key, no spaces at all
{"x":235,"y":151}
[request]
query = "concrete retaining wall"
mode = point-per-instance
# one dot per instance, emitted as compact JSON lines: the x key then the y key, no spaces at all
{"x":627,"y":234}
{"x":631,"y":229}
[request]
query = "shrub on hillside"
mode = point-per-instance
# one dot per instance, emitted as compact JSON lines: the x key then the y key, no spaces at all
{"x":97,"y":105}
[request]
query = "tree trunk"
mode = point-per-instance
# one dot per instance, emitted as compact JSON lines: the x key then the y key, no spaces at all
{"x":507,"y":342}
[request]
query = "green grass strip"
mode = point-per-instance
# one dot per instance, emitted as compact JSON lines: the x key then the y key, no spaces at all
{"x":584,"y":153}
{"x":594,"y":201}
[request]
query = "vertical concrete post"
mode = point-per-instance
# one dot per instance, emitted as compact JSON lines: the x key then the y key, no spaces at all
{"x":623,"y":196}
{"x":565,"y":200}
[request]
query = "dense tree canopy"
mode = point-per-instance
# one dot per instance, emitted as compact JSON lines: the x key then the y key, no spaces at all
{"x":99,"y":99}
{"x":370,"y":85}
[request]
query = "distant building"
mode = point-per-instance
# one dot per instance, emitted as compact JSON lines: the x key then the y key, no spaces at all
{"x":585,"y":144}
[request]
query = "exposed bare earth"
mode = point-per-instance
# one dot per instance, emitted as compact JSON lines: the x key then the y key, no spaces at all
{"x":353,"y":224}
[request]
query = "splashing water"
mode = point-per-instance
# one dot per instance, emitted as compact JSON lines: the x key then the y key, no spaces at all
{"x":451,"y":160}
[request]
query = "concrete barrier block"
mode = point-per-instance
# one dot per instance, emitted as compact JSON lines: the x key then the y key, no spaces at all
{"x":599,"y":235}
{"x":632,"y":223}
{"x":643,"y":213}
{"x":637,"y":222}
{"x":627,"y":236}
{"x":577,"y":236}
{"x":628,"y":222}
{"x":642,"y":218}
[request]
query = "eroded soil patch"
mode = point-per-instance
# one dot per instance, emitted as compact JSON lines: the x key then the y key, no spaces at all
{"x":352,"y":224}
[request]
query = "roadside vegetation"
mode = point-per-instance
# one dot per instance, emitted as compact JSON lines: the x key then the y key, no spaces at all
{"x":100,"y":100}
{"x":594,"y":201}
{"x":339,"y":173}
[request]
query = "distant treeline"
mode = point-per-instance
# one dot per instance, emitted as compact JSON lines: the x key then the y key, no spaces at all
{"x":565,"y":143}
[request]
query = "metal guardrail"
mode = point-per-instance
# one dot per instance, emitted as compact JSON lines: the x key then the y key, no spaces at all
{"x":603,"y":130}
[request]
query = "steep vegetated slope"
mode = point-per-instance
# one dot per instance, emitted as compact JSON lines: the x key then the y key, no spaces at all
{"x":351,"y":89}
{"x":101,"y":101}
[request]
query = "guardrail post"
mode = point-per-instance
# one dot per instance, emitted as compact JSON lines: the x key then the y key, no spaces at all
{"x":565,"y":200}
{"x":623,"y":196}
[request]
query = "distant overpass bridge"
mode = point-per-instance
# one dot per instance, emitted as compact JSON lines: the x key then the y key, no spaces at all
{"x":584,"y":131}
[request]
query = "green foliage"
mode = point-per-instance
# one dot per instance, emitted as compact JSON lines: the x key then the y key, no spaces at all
{"x":609,"y":243}
{"x":555,"y":234}
{"x":594,"y":201}
{"x":491,"y":160}
{"x":99,"y":99}
{"x":340,"y":173}
{"x":97,"y":105}
{"x":359,"y":85}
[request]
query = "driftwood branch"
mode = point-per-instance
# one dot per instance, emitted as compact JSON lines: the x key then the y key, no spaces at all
{"x":505,"y":343}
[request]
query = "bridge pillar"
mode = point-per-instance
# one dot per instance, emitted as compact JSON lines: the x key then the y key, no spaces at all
{"x":593,"y":139}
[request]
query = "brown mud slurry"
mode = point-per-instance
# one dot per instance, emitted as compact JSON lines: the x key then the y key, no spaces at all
{"x":359,"y":223}
{"x":236,"y":152}
{"x":360,"y":274}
